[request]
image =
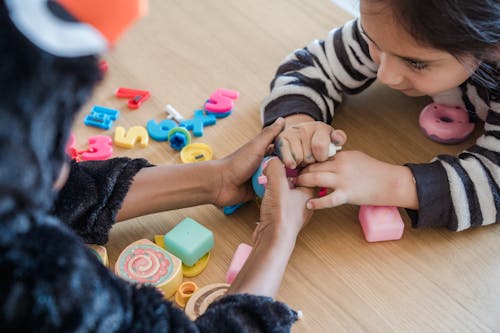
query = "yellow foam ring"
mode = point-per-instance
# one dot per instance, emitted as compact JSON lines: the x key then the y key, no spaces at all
{"x":134,"y":134}
{"x":144,"y":262}
{"x":197,"y":268}
{"x":184,"y":292}
{"x":160,"y":240}
{"x":101,"y":253}
{"x":196,"y":152}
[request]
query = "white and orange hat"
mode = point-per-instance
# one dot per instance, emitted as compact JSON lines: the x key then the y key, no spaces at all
{"x":92,"y":26}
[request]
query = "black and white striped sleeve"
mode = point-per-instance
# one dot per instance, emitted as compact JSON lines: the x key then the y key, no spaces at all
{"x":312,"y":80}
{"x":462,"y":192}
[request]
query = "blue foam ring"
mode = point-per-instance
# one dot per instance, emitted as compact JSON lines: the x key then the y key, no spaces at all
{"x":199,"y":121}
{"x":101,"y":117}
{"x":228,"y":210}
{"x":259,"y":189}
{"x":159,"y":131}
{"x":179,"y":137}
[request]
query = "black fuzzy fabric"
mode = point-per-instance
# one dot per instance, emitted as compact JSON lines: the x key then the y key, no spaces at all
{"x":93,"y":194}
{"x":49,"y":280}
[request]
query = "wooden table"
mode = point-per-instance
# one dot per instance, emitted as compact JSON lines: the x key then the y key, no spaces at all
{"x":432,"y":280}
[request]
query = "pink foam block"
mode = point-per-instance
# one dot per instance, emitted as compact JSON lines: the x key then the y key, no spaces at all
{"x":239,"y":258}
{"x":381,"y":223}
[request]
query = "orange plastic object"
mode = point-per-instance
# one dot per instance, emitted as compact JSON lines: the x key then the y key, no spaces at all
{"x":111,"y":17}
{"x":184,"y":292}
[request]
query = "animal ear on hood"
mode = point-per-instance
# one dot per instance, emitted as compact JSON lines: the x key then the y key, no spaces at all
{"x":74,"y":28}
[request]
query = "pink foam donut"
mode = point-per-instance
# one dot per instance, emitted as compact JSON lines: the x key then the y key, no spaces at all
{"x":445,"y":124}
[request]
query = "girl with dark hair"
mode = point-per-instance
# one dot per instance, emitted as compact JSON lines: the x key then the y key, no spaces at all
{"x":50,"y":281}
{"x":448,"y":50}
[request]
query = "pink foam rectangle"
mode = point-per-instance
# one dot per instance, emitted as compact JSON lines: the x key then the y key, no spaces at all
{"x":239,"y":258}
{"x":381,"y":223}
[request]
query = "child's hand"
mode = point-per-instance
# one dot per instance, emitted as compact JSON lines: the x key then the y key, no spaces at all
{"x":356,"y":178}
{"x":236,"y":170}
{"x":302,"y":144}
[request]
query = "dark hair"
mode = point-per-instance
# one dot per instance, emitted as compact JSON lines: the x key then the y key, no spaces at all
{"x":40,"y":96}
{"x":460,"y":27}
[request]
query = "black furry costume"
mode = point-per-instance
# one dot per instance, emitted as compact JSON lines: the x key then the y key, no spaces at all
{"x":50,"y":281}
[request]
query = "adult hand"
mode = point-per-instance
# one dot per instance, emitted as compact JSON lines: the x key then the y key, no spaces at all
{"x":236,"y":170}
{"x":354,"y":177}
{"x":304,"y":143}
{"x":283,"y":211}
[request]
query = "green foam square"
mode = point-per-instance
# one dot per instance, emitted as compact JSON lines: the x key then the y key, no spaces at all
{"x":189,"y":241}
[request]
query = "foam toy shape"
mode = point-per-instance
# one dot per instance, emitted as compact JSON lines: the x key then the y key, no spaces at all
{"x":100,"y":148}
{"x":197,"y":123}
{"x":222,"y":100}
{"x":101,"y":117}
{"x":70,"y":147}
{"x":189,"y":241}
{"x":196,"y":152}
{"x":179,"y":137}
{"x":197,"y":268}
{"x":100,"y":252}
{"x":259,"y":180}
{"x":228,"y":210}
{"x":219,"y":115}
{"x":111,"y":18}
{"x":137,"y":97}
{"x":200,"y":300}
{"x":146,"y":263}
{"x":380,"y":223}
{"x":239,"y":258}
{"x":173,"y":114}
{"x":159,"y":131}
{"x":445,"y":124}
{"x":135,"y":134}
{"x":159,"y":240}
{"x":184,"y":292}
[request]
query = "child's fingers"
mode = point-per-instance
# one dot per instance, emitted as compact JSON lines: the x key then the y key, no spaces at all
{"x":333,"y":199}
{"x":317,"y":179}
{"x":338,"y":137}
{"x":319,"y":145}
{"x":327,"y":166}
{"x":285,"y":151}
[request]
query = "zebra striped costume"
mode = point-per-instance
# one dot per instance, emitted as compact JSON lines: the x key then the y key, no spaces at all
{"x":456,"y":192}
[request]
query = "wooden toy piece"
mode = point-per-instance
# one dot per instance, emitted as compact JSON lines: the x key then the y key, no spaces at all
{"x":134,"y":134}
{"x":101,"y":253}
{"x":145,"y":262}
{"x":381,"y":223}
{"x":101,"y":117}
{"x":100,"y":148}
{"x":113,"y":17}
{"x":184,"y":293}
{"x":160,"y":241}
{"x":222,"y":100}
{"x":179,"y":137}
{"x":197,"y":268}
{"x":196,"y":152}
{"x":239,"y":259}
{"x":159,"y":131}
{"x":200,"y":300}
{"x":137,"y":97}
{"x":198,"y":121}
{"x":189,"y":241}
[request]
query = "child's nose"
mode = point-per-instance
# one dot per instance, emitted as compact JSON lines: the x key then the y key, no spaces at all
{"x":389,"y":71}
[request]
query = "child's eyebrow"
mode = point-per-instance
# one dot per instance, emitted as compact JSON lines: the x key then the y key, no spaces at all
{"x":363,"y":31}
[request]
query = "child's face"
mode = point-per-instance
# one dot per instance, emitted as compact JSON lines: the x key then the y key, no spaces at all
{"x":404,"y":65}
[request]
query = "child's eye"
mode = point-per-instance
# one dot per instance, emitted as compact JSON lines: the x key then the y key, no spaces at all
{"x":416,"y":65}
